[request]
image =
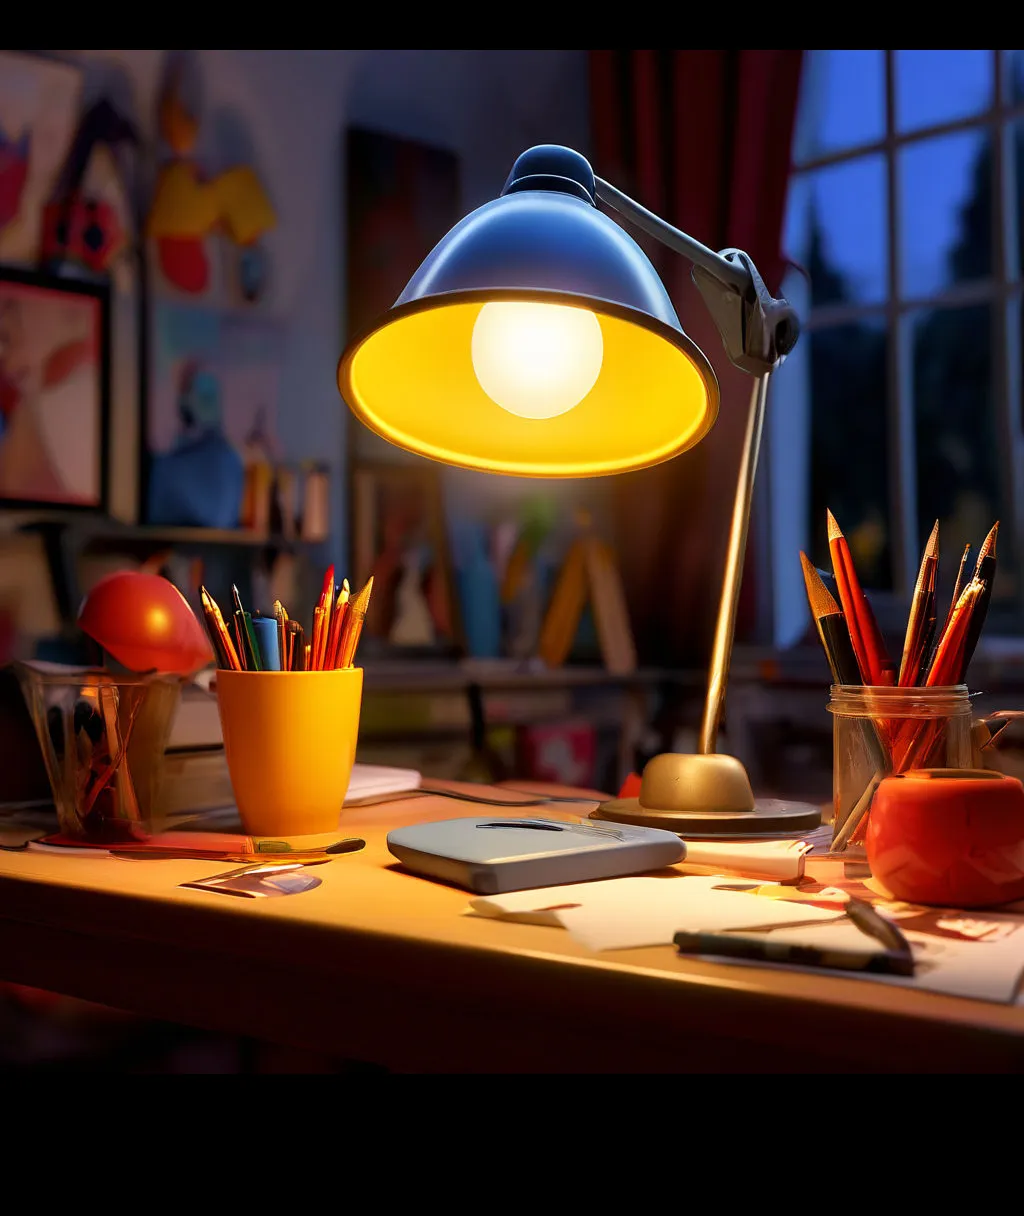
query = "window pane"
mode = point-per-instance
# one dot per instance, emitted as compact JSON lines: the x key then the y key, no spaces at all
{"x":945,"y":212}
{"x":1013,"y":75}
{"x":941,"y":86}
{"x":842,"y":102}
{"x":835,"y":228}
{"x":1014,"y":152}
{"x":849,"y":446}
{"x":958,"y":474}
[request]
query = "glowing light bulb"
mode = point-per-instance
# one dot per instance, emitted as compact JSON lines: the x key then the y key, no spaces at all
{"x":536,"y":360}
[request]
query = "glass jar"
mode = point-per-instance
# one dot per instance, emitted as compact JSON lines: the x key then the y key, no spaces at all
{"x":103,"y":738}
{"x":881,"y":730}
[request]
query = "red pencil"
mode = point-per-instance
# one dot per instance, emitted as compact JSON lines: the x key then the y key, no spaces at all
{"x":875,"y":665}
{"x":322,"y":619}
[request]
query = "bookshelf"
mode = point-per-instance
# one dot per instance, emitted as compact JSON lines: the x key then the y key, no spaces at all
{"x":68,"y":535}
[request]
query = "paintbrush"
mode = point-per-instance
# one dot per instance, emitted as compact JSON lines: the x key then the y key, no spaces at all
{"x":921,"y":621}
{"x":875,"y":665}
{"x":985,"y":572}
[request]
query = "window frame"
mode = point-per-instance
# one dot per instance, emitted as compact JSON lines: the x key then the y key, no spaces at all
{"x":1002,"y":290}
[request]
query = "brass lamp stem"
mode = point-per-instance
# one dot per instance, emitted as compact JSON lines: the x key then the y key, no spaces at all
{"x":721,"y":651}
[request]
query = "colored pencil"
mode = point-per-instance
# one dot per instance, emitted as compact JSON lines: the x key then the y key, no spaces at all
{"x":216,"y":622}
{"x":921,"y":621}
{"x":281,"y":616}
{"x":842,"y":662}
{"x":337,"y":620}
{"x":831,"y":625}
{"x":875,"y":665}
{"x":245,"y":634}
{"x":353,"y":626}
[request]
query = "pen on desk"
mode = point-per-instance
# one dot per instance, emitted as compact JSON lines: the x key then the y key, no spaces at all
{"x":764,"y":949}
{"x":870,"y":921}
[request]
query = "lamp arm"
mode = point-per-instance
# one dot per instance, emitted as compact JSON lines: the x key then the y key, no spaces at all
{"x":732,"y":576}
{"x":757,"y":329}
{"x":730,"y":273}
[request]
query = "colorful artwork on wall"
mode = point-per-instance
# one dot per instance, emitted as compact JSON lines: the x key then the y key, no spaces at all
{"x":39,"y":103}
{"x":54,"y":390}
{"x":212,"y":411}
{"x":193,"y":214}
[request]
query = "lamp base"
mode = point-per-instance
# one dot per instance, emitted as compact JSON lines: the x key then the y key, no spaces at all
{"x":705,"y":796}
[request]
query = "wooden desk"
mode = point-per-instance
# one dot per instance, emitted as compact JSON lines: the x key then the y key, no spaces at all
{"x":380,"y":966}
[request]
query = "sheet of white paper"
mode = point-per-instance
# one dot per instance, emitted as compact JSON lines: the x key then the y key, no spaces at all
{"x":619,"y":913}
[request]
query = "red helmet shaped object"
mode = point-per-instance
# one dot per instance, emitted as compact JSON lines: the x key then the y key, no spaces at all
{"x":145,"y":623}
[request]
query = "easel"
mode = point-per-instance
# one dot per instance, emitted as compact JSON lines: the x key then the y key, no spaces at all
{"x":589,"y":570}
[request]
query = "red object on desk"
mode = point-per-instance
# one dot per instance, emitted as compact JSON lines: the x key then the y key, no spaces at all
{"x":145,"y":622}
{"x":948,"y":837}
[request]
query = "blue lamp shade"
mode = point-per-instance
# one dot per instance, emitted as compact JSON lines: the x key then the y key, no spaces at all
{"x":536,"y":339}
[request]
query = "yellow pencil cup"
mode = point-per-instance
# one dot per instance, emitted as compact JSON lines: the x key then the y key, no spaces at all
{"x":290,"y":743}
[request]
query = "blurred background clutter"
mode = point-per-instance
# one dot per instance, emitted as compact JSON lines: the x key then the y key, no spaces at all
{"x":188,"y":239}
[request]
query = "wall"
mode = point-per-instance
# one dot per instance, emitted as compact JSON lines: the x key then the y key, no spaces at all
{"x":286,"y":111}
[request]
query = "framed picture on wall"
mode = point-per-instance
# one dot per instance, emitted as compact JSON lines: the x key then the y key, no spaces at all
{"x":211,"y":413}
{"x":399,"y":537}
{"x":54,"y":390}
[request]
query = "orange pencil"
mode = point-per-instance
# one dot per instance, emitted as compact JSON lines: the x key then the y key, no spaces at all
{"x":214,"y":614}
{"x":916,"y":738}
{"x":875,"y":665}
{"x":354,"y":618}
{"x":319,"y":639}
{"x":325,"y":604}
{"x":334,"y":636}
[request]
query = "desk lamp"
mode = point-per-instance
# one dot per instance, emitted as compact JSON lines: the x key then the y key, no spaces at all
{"x":538,"y":340}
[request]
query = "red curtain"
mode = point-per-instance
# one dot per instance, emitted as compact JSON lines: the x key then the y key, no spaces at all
{"x":701,"y":138}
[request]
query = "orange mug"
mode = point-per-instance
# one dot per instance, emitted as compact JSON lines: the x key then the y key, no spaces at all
{"x":290,"y":744}
{"x":948,"y":837}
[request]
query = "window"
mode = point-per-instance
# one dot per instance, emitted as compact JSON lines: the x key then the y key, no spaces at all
{"x":901,"y":403}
